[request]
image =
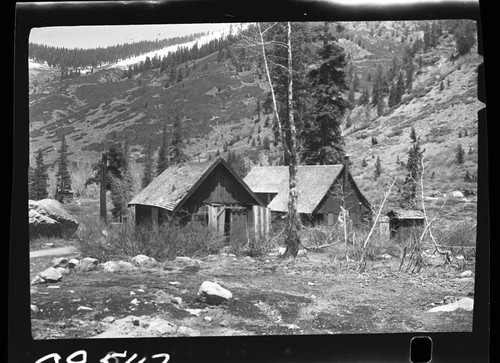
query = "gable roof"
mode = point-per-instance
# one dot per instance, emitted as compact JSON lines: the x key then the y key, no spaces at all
{"x":314,"y":181}
{"x":174,"y":186}
{"x":405,"y":214}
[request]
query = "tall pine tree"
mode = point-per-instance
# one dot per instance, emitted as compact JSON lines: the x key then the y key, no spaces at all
{"x":176,"y":149}
{"x":322,"y":140}
{"x":162,"y":161}
{"x":147,"y":174}
{"x":63,"y":188}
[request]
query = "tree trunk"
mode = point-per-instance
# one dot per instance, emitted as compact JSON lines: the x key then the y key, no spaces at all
{"x":292,"y":239}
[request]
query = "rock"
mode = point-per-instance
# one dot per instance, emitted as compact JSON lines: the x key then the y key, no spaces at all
{"x":213,"y":293}
{"x":466,"y":303}
{"x":84,"y":308}
{"x":37,"y":280}
{"x":187,"y":261}
{"x":49,"y":218}
{"x":185,"y":331}
{"x":63,"y":270}
{"x":108,"y":319}
{"x":208,"y":318}
{"x":73,"y":262}
{"x":114,"y":266}
{"x":176,"y":300}
{"x":51,"y":275}
{"x":457,"y":194}
{"x":195,"y":312}
{"x":87,"y":264}
{"x":467,"y":273}
{"x":34,"y":309}
{"x":60,"y":262}
{"x":144,"y":261}
{"x":162,"y":327}
{"x":162,"y":297}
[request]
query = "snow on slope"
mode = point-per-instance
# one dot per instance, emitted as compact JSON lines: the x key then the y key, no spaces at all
{"x":125,"y":63}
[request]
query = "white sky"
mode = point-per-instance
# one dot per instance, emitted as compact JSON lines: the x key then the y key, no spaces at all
{"x":103,"y":36}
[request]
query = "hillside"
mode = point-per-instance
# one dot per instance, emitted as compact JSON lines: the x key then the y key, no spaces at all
{"x":219,"y":106}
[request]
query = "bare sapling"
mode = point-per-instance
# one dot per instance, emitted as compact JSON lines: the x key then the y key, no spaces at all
{"x":362,"y":262}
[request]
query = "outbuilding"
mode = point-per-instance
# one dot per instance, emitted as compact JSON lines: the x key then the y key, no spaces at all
{"x":210,"y":193}
{"x":400,"y":219}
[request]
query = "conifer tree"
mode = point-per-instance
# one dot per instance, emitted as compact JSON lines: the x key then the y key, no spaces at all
{"x":408,"y":190}
{"x":162,"y":161}
{"x":322,"y":139}
{"x":38,"y":181}
{"x":147,"y":175}
{"x":459,"y":154}
{"x":176,"y":150}
{"x":378,"y":169}
{"x":62,"y":175}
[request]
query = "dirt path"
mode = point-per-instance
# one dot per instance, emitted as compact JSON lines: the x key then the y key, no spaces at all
{"x":58,"y":251}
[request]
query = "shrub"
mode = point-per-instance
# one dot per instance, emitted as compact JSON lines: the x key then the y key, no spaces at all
{"x":166,"y":241}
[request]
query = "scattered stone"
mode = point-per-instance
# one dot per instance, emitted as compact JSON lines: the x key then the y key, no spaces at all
{"x":213,"y":294}
{"x":51,"y":275}
{"x":37,"y":280}
{"x":467,"y":273}
{"x":63,"y":270}
{"x":48,"y":218}
{"x":208,"y":318}
{"x":176,"y":300}
{"x":85,"y":308}
{"x":87,"y":264}
{"x":73,"y":262}
{"x":457,"y":194}
{"x":223,"y":323}
{"x":174,"y":283}
{"x":135,"y":302}
{"x":187,"y":261}
{"x":466,"y":303}
{"x":144,"y":261}
{"x":34,"y":309}
{"x":162,"y":297}
{"x":115,"y":266}
{"x":54,"y":287}
{"x":60,"y":262}
{"x":162,"y":327}
{"x":108,"y":319}
{"x":185,"y":331}
{"x":195,"y":312}
{"x":292,"y":326}
{"x":311,"y":283}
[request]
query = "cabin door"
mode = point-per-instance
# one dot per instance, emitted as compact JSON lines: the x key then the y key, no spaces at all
{"x":217,"y":218}
{"x":237,"y":230}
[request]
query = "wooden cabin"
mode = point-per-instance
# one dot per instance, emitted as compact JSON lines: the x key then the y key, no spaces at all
{"x":210,"y":193}
{"x":401,"y":219}
{"x":324,"y":190}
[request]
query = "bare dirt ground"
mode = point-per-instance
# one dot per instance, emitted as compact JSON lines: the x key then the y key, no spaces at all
{"x":270,"y":297}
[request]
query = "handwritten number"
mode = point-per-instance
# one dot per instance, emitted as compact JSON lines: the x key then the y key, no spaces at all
{"x":79,"y":352}
{"x":162,"y":355}
{"x":54,"y":356}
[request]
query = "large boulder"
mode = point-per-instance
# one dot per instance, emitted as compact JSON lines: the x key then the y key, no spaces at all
{"x":213,"y":294}
{"x":144,"y":261}
{"x":48,"y":218}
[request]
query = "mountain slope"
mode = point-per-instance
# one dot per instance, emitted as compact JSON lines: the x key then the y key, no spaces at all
{"x":218,"y":108}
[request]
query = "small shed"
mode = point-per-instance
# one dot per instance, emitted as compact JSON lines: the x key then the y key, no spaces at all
{"x":210,"y":193}
{"x":404,"y":218}
{"x":323,"y":192}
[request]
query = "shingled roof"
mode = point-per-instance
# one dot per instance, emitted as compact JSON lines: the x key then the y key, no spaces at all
{"x":172,"y":187}
{"x":313,"y":183}
{"x":405,"y":214}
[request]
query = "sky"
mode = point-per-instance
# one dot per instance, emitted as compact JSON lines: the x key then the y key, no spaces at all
{"x":104,"y":36}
